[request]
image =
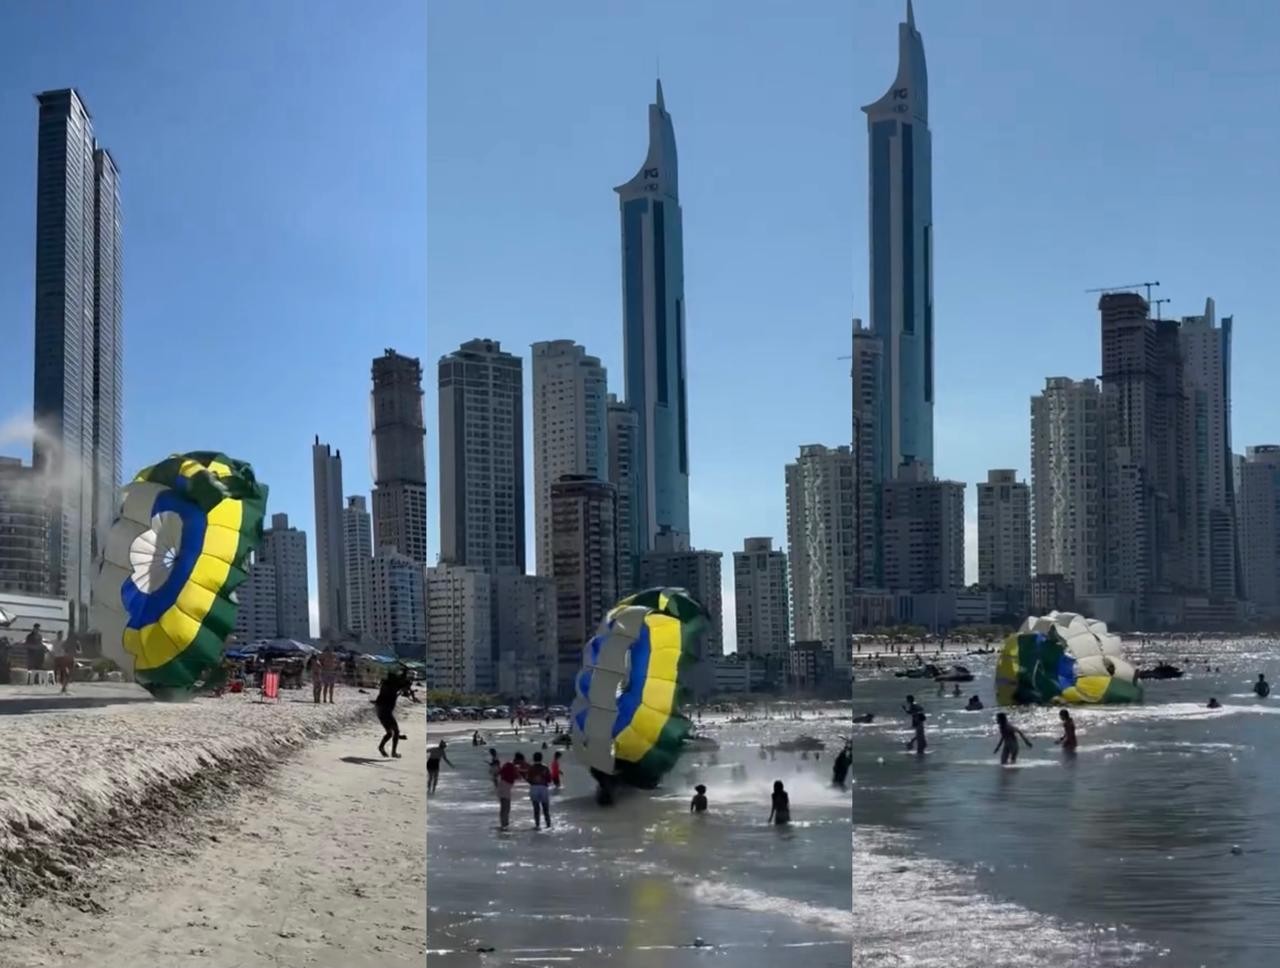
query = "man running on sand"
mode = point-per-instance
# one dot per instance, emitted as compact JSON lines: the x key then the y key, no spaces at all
{"x":393,"y":686}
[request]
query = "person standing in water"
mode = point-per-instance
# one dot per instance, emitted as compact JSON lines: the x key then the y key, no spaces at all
{"x":1262,"y":688}
{"x":538,"y":777}
{"x":1009,"y":735}
{"x":556,"y":770}
{"x":1068,"y":738}
{"x":699,"y":802}
{"x":494,"y":766}
{"x":508,"y":773}
{"x":780,"y":811}
{"x":434,"y":756}
{"x":918,"y":742}
{"x":393,"y":686}
{"x":840,"y":770}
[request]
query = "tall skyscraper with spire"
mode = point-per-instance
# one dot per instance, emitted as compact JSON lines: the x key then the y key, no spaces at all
{"x":331,"y":556}
{"x":78,"y":342}
{"x":901,"y":249}
{"x":653,"y":323}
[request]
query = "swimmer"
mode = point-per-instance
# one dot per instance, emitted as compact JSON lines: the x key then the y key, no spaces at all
{"x":1262,"y":688}
{"x":973,"y":704}
{"x":1213,"y":703}
{"x":1009,"y":735}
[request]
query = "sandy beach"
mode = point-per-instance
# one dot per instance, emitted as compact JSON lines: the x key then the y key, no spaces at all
{"x":322,"y":866}
{"x":214,"y":833}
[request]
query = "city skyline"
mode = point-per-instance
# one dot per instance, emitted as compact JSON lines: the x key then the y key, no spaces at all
{"x":811,"y":198}
{"x":227,"y":276}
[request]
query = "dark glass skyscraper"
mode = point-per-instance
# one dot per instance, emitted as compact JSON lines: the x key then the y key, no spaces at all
{"x":399,"y":458}
{"x":78,"y":342}
{"x":653,"y":324}
{"x":901,"y":249}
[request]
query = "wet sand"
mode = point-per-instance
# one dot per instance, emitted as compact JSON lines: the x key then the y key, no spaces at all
{"x":322,"y":866}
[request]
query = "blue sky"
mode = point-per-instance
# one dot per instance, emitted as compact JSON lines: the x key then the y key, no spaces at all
{"x":273,"y":171}
{"x":1075,"y":145}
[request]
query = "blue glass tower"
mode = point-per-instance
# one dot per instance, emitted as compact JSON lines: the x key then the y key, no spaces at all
{"x":653,"y":333}
{"x":901,"y":248}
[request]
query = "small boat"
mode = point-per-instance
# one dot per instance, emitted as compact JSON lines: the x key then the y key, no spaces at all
{"x":957,"y":674}
{"x":1162,"y":671}
{"x":927,"y":671}
{"x":800,"y":743}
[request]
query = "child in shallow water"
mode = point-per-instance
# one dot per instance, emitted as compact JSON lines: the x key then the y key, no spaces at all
{"x":699,"y":802}
{"x":780,"y":812}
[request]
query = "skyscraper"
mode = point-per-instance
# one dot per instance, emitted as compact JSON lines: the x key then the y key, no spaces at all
{"x":624,"y":429}
{"x":653,"y":323}
{"x":24,"y":529}
{"x":459,"y":629}
{"x":399,"y":462}
{"x":1260,"y":527}
{"x":1067,"y":482}
{"x":357,"y":545}
{"x":673,"y":564}
{"x":1206,"y":352}
{"x":901,"y":250}
{"x":584,"y":564}
{"x":399,"y":620}
{"x":869,"y":446}
{"x":760,"y":599}
{"x":1004,"y":532}
{"x":822,"y":548}
{"x":331,"y":558}
{"x":78,"y":341}
{"x":570,"y":427}
{"x":285,"y":549}
{"x":923,"y":532}
{"x":482,"y":457}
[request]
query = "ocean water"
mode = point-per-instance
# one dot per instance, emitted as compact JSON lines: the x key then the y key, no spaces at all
{"x":1158,"y":844}
{"x":643,"y":882}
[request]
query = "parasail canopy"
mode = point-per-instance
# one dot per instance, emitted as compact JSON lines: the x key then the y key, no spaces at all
{"x":625,"y":717}
{"x":1064,"y":658}
{"x":162,"y":598}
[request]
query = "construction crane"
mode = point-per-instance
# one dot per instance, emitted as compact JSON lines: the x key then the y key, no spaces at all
{"x":1134,"y":285}
{"x":1157,"y":303}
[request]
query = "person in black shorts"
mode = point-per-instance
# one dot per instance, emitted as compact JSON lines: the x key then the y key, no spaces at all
{"x":393,"y":686}
{"x":434,"y":756}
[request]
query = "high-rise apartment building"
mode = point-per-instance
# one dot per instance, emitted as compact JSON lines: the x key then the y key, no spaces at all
{"x":459,"y":630}
{"x":258,"y":616}
{"x":527,"y":653}
{"x":1206,"y":355}
{"x":673,"y":564}
{"x":870,"y":444}
{"x":1067,"y":482}
{"x":285,"y":549}
{"x":1004,"y":532}
{"x":901,"y":251}
{"x":398,"y":612}
{"x":357,"y":547}
{"x":760,"y":599}
{"x":923,"y":532}
{"x":584,"y":564}
{"x":654,"y":331}
{"x":1260,"y":527}
{"x":822,"y":533}
{"x":331,"y":556}
{"x":24,"y":529}
{"x":482,"y":457}
{"x":570,"y":427}
{"x":624,"y":429}
{"x":1150,"y":545}
{"x":399,"y":461}
{"x":78,"y":342}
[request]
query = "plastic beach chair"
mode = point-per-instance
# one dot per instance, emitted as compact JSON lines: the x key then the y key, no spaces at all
{"x":271,"y":686}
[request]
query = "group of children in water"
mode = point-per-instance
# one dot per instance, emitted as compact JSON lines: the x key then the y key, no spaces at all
{"x":1010,"y":735}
